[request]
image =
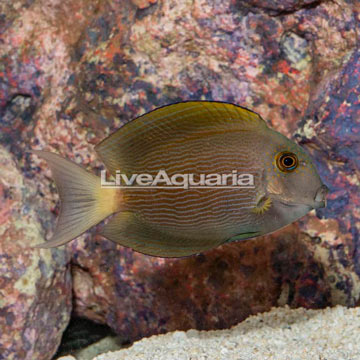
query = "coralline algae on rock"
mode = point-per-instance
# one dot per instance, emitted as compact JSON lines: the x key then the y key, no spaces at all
{"x":72,"y":72}
{"x":278,"y":61}
{"x":35,"y":286}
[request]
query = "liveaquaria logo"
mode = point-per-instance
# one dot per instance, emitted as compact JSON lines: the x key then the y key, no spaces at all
{"x":185,"y":181}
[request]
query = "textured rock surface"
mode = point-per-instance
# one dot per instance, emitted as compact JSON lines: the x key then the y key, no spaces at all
{"x":71,"y":72}
{"x":35,"y":286}
{"x":295,"y":64}
{"x":83,"y":336}
{"x":334,"y":140}
{"x":281,"y":334}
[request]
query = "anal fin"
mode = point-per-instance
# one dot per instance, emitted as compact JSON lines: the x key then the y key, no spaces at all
{"x":130,"y":230}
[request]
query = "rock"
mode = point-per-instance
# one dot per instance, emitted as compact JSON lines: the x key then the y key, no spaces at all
{"x":72,"y":72}
{"x":331,"y":131}
{"x":31,"y":322}
{"x":282,"y":66}
{"x":282,"y":333}
{"x":82,"y":337}
{"x":142,"y":4}
{"x":139,"y":295}
{"x":36,"y":77}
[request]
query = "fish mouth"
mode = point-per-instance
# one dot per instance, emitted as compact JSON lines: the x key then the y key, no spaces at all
{"x":319,"y":200}
{"x":294,"y":205}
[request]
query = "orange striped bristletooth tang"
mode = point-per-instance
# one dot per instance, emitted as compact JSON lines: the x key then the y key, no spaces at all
{"x":202,"y":138}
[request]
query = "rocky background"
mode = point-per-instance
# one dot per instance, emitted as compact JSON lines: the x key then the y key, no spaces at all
{"x":71,"y":72}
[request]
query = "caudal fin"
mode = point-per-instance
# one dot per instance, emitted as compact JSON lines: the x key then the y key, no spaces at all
{"x":83,"y":202}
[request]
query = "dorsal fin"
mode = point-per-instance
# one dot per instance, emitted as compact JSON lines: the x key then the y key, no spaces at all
{"x":170,"y":124}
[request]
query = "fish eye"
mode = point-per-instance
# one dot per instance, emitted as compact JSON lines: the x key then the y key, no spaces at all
{"x":286,"y":161}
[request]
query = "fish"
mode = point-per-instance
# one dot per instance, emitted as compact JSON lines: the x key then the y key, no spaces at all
{"x":275,"y":181}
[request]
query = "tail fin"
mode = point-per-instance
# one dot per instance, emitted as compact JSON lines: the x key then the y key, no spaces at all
{"x":83,"y":202}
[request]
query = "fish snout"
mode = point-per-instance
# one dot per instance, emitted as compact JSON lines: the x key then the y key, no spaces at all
{"x":320,"y":197}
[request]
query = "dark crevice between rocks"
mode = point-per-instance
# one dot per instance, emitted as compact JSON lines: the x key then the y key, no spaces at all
{"x":17,"y":123}
{"x":82,"y":333}
{"x":141,"y":13}
{"x":273,"y":12}
{"x":79,"y":334}
{"x":310,"y":6}
{"x":18,"y":106}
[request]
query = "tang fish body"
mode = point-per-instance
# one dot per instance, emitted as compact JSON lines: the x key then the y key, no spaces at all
{"x":247,"y":180}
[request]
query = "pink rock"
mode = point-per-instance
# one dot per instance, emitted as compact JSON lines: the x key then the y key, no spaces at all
{"x":81,"y":71}
{"x":271,"y":64}
{"x":142,"y":4}
{"x":138,"y":295}
{"x":35,"y":285}
{"x":36,"y":76}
